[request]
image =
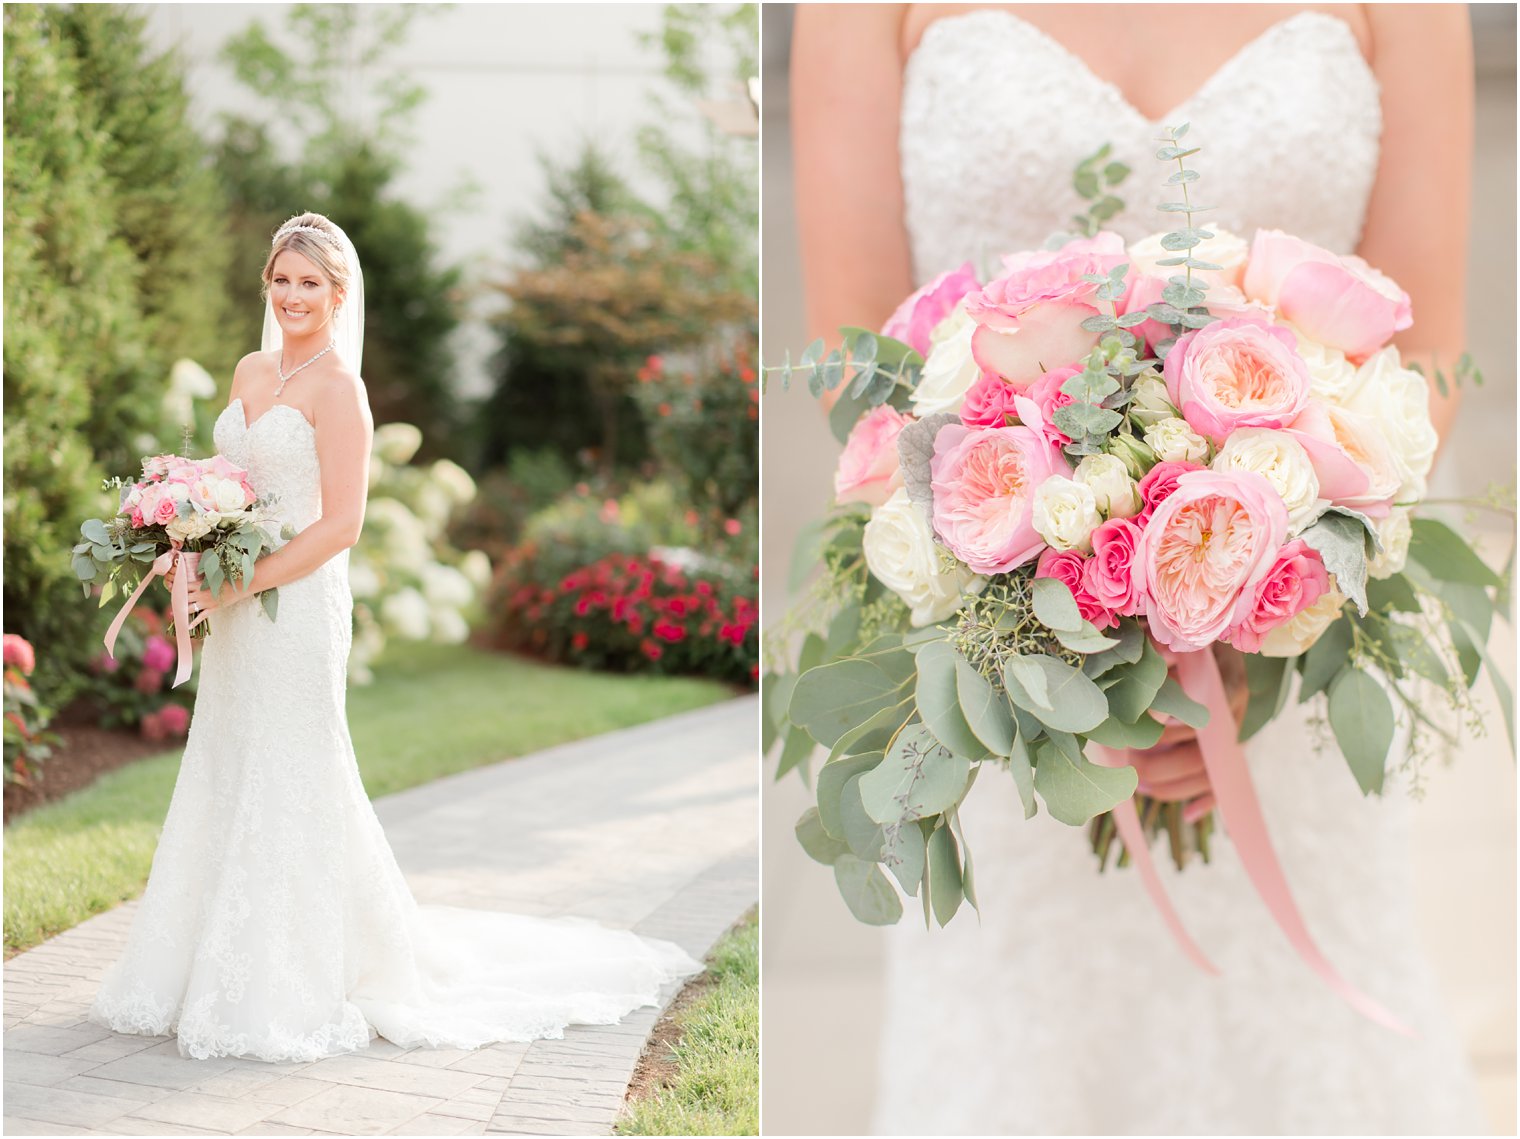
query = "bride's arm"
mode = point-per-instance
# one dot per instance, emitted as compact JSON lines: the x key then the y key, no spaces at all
{"x":1417,"y":218}
{"x":846,"y":86}
{"x":344,"y":431}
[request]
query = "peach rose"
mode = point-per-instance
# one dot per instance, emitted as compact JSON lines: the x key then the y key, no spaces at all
{"x":1350,"y":456}
{"x":1203,"y":554}
{"x":1029,"y":320}
{"x":984,"y":481}
{"x":869,"y":470}
{"x":1339,"y":301}
{"x":916,"y":317}
{"x":1237,"y":372}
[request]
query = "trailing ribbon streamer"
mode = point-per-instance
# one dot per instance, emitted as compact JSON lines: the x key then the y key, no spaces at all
{"x":179,"y":605}
{"x":1128,"y":824}
{"x":1235,"y":797}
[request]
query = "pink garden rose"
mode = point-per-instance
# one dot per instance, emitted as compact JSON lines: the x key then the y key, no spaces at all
{"x":1350,"y":457}
{"x":1109,"y":575}
{"x":1203,"y":554}
{"x":1029,"y":320}
{"x":158,"y":654}
{"x":19,"y":653}
{"x":165,"y":510}
{"x":1048,"y":397}
{"x":984,"y":481}
{"x":1339,"y":301}
{"x":1160,"y":481}
{"x":1296,"y":581}
{"x":1071,"y":568}
{"x":916,"y":317}
{"x":989,"y":403}
{"x":869,"y":470}
{"x":1237,"y":372}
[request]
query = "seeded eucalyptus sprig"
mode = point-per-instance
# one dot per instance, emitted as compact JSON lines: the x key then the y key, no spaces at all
{"x":878,"y":369}
{"x":1181,"y":304}
{"x":1094,"y":179}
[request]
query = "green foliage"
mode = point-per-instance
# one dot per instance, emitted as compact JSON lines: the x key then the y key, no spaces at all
{"x":716,"y":1087}
{"x":1094,"y":180}
{"x":113,"y":253}
{"x":346,"y":168}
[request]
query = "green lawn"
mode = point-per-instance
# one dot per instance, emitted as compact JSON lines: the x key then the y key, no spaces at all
{"x":432,"y":711}
{"x":716,"y":1089}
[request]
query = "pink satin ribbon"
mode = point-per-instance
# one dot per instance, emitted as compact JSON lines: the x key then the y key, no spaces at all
{"x":179,"y":605}
{"x":1235,"y":796}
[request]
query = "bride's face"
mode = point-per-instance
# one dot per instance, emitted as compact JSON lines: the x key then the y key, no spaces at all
{"x":303,"y":298}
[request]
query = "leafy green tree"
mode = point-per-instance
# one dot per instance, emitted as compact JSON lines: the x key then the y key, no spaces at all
{"x":114,"y":257}
{"x":350,"y":152}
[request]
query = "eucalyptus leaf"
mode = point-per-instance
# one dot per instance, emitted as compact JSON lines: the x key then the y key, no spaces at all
{"x":1022,"y":770}
{"x":968,"y":881}
{"x":984,"y":708}
{"x":864,"y":835}
{"x":1172,"y":701}
{"x":1054,"y":605}
{"x":1362,"y":719}
{"x":817,"y":842}
{"x":1130,"y":644}
{"x":1447,"y":557}
{"x":1085,"y":640}
{"x":833,"y":698}
{"x":1502,"y":690}
{"x":1132,"y":693}
{"x":938,"y":698}
{"x":866,"y":891}
{"x":945,"y":888}
{"x":1326,"y":657}
{"x":1393,"y":592}
{"x":1075,"y":789}
{"x":795,"y":753}
{"x":918,"y":777}
{"x":831,"y":781}
{"x":1072,"y":702}
{"x":902,"y":853}
{"x":1116,"y":734}
{"x":94,"y":530}
{"x":1268,"y":680}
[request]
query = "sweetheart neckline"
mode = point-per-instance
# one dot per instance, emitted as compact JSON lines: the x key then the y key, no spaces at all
{"x":1172,"y":116}
{"x":243,"y":414}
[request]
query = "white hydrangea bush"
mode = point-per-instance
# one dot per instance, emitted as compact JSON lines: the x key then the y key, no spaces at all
{"x":408,"y":582}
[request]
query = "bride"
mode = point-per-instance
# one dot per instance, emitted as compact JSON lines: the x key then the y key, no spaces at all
{"x":930,"y":135}
{"x":276,"y":924}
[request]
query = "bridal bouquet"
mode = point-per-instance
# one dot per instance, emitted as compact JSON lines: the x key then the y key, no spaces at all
{"x":1061,"y":489}
{"x":199,"y":512}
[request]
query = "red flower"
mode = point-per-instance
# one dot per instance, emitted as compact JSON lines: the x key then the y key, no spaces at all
{"x":579,"y":642}
{"x":651,"y":650}
{"x":669,"y":631}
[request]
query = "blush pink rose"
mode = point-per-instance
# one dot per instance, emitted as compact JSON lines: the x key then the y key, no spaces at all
{"x":1339,"y":301}
{"x":1160,"y":481}
{"x":1029,"y":320}
{"x":983,"y":480}
{"x":1048,"y":397}
{"x":18,"y":653}
{"x":1203,"y":554}
{"x":1071,"y":568}
{"x":1296,"y":581}
{"x":869,"y":470}
{"x":1237,"y":372}
{"x":989,"y":403}
{"x":1350,"y":457}
{"x":916,"y":317}
{"x":137,"y":518}
{"x":1109,"y":575}
{"x":165,"y":510}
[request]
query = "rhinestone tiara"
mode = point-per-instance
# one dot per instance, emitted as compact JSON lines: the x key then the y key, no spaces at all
{"x":332,"y":238}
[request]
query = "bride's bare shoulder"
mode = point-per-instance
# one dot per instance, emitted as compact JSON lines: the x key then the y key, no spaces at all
{"x":248,"y":368}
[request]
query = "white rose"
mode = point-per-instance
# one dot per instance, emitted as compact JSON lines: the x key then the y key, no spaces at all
{"x":1282,"y":461}
{"x":1398,"y":399}
{"x":1108,"y":479}
{"x":1152,"y":402}
{"x":1394,"y":532}
{"x":177,"y":491}
{"x":189,"y":527}
{"x":405,"y":612}
{"x":1331,"y":376}
{"x":363,"y":581}
{"x":900,"y":552}
{"x":1066,"y":514}
{"x":476,"y":566}
{"x":397,"y":442}
{"x":950,"y":369}
{"x":1175,"y":442}
{"x":449,"y":627}
{"x":1298,"y":635}
{"x":446,"y":586}
{"x":229,"y":495}
{"x":1224,"y":249}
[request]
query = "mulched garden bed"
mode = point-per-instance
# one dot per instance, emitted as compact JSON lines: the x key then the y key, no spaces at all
{"x":83,"y":753}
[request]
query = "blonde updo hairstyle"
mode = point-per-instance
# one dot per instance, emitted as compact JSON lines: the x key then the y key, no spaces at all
{"x":316,"y":239}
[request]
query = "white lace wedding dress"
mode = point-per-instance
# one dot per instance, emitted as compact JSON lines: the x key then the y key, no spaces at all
{"x":1069,"y":1009}
{"x":276,"y":924}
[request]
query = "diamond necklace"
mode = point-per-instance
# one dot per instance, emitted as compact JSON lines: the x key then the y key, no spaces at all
{"x":284,"y":378}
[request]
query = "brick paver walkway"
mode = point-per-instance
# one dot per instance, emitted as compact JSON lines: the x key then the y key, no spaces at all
{"x":653,"y":828}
